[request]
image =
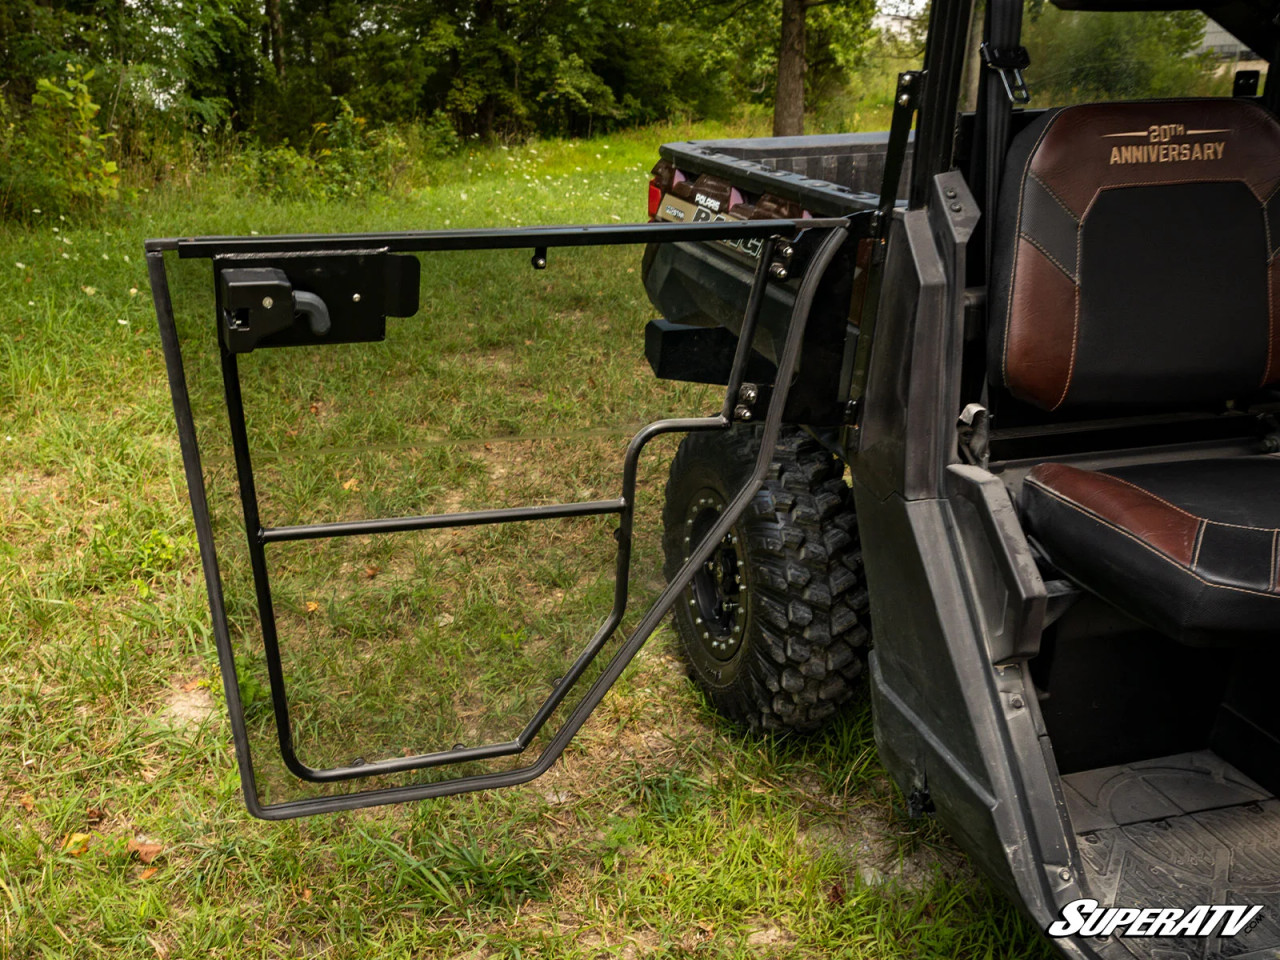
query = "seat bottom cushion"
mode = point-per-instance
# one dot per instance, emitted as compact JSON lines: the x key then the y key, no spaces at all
{"x":1192,"y":548}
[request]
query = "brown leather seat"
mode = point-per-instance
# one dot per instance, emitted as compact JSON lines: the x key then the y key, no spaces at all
{"x":1192,"y":548}
{"x":1135,"y":264}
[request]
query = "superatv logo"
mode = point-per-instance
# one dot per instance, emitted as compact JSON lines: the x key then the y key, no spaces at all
{"x":1085,"y":918}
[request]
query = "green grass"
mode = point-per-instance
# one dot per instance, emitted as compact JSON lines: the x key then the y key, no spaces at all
{"x":661,"y":832}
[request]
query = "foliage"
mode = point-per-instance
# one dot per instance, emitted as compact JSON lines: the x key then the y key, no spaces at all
{"x":54,"y":153}
{"x":838,"y":37}
{"x":343,"y":158}
{"x":315,"y":100}
{"x":1079,"y":56}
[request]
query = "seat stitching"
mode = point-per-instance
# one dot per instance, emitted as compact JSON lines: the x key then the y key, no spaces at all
{"x":1185,"y":513}
{"x":1167,"y":183}
{"x":1275,"y":539}
{"x":1013,"y":273}
{"x":1271,"y":322}
{"x":1266,"y":227}
{"x":1049,"y":190}
{"x":1054,"y":260}
{"x":1075,"y":320}
{"x":1195,"y":557}
{"x":1142,"y":543}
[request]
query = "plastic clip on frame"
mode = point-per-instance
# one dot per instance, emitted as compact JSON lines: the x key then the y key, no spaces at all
{"x":253,"y":319}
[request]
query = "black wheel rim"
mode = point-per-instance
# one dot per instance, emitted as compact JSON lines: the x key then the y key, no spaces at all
{"x":717,"y":594}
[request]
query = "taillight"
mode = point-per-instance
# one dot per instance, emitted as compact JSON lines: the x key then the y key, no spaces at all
{"x":655,"y":198}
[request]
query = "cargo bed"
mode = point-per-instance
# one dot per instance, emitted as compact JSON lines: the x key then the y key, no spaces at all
{"x":829,"y":175}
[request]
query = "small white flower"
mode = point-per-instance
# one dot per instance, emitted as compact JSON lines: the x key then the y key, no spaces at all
{"x":56,"y":230}
{"x":123,"y":322}
{"x":36,"y":211}
{"x":66,"y":256}
{"x":133,"y":291}
{"x":62,"y":218}
{"x":20,"y":265}
{"x":253,"y":233}
{"x":105,"y":257}
{"x":9,"y":439}
{"x":90,"y":290}
{"x":126,"y":258}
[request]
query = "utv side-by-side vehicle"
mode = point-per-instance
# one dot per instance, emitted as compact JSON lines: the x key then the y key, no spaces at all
{"x":1046,"y":345}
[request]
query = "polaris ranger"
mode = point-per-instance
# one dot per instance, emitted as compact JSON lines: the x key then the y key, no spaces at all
{"x":1045,"y":344}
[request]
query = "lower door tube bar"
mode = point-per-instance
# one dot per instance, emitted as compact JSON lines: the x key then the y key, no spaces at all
{"x":439,"y":521}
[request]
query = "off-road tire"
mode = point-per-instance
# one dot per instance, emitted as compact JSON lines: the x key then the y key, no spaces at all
{"x":793,"y":648}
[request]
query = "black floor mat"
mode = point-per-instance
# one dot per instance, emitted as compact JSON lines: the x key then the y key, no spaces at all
{"x":1177,"y":832}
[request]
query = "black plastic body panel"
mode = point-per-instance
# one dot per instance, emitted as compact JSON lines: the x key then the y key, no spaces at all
{"x":956,"y":598}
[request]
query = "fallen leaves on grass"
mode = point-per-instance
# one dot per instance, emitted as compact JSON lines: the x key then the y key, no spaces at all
{"x":148,"y":873}
{"x":76,"y":843}
{"x":191,"y":685}
{"x":27,"y":802}
{"x":143,"y":850}
{"x":353,"y":484}
{"x":312,"y":606}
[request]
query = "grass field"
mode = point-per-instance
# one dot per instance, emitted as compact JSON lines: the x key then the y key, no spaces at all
{"x":662,"y":832}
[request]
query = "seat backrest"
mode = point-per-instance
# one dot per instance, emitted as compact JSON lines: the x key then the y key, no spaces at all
{"x":1134,"y":257}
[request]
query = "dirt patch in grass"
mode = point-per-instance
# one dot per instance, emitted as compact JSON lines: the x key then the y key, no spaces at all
{"x":878,"y":849}
{"x":772,"y":937}
{"x":187,"y":708}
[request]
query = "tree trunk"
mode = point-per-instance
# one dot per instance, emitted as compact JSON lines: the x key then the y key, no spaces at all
{"x":788,"y":104}
{"x":276,"y":27}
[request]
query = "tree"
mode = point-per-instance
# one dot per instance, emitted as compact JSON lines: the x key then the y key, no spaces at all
{"x":1081,"y":56}
{"x":788,"y":102}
